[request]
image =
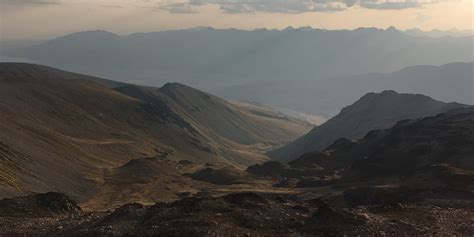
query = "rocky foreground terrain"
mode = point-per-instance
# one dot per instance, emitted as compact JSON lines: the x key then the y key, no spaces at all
{"x":363,"y":211}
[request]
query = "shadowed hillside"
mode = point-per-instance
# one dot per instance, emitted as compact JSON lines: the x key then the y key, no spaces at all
{"x":432,"y":153}
{"x":372,"y":111}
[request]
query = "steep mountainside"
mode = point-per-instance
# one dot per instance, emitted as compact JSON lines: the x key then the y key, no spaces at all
{"x":444,"y":144}
{"x":61,"y":130}
{"x":372,"y":111}
{"x":432,"y":152}
{"x":299,"y":122}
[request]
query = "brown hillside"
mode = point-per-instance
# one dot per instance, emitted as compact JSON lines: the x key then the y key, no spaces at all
{"x":60,"y":130}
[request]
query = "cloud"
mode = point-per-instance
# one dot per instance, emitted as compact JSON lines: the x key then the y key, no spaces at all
{"x":110,"y":6}
{"x":247,"y":6}
{"x":280,"y":6}
{"x":291,"y":6}
{"x":181,"y":7}
{"x":29,"y":2}
{"x":392,"y":4}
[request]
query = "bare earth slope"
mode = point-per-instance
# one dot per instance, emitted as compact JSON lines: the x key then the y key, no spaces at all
{"x":372,"y":111}
{"x":60,"y":130}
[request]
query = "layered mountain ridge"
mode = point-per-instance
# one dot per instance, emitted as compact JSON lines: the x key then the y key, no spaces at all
{"x":372,"y":111}
{"x":327,"y":95}
{"x":430,"y":153}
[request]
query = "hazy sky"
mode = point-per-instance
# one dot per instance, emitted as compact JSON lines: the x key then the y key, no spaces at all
{"x":42,"y":19}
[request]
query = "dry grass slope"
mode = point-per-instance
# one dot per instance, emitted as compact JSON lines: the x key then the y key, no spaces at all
{"x":60,"y":130}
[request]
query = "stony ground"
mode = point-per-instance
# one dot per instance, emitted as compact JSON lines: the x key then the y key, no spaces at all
{"x":250,"y":214}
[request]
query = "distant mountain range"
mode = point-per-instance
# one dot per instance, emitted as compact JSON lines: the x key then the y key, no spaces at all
{"x":243,"y":62}
{"x":62,"y":131}
{"x":439,"y":33}
{"x":372,"y":111}
{"x":450,"y":82}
